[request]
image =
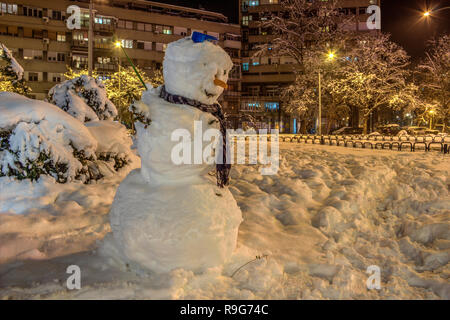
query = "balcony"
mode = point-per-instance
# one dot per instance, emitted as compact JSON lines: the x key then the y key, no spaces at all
{"x":79,"y":44}
{"x":261,"y":38}
{"x":262,"y":68}
{"x":268,"y":78}
{"x":232,"y":44}
{"x":231,"y":95}
{"x":108,"y":67}
{"x":264,"y":7}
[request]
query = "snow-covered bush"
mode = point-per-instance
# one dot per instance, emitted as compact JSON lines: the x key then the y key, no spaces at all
{"x":37,"y":138}
{"x":11,"y":73}
{"x":84,"y":98}
{"x":114,"y":145}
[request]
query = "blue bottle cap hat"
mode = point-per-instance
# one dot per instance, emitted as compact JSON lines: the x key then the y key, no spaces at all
{"x":198,"y":37}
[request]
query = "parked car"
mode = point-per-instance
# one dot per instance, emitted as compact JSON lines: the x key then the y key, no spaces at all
{"x":348,"y":130}
{"x":416,"y":131}
{"x":439,"y":128}
{"x":431,"y":132}
{"x":389,"y":129}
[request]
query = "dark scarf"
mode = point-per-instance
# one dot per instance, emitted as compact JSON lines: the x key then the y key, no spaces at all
{"x":222,"y":169}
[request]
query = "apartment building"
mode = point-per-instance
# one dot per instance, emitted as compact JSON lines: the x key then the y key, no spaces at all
{"x":37,"y":33}
{"x":263,"y":78}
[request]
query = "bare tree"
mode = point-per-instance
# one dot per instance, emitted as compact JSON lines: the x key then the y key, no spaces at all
{"x":302,"y":25}
{"x":434,"y":75}
{"x":375,"y":75}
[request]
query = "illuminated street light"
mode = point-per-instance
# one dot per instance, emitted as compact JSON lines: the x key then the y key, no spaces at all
{"x":118,"y":44}
{"x":426,"y":14}
{"x":331,"y":55}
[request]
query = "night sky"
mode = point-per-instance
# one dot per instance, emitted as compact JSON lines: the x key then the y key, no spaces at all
{"x":402,"y":18}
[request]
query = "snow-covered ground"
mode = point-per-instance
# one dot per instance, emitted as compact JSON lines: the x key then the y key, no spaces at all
{"x":328,"y":214}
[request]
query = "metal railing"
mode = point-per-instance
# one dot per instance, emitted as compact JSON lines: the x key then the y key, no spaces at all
{"x":412,"y":143}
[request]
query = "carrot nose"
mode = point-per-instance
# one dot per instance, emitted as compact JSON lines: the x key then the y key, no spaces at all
{"x":220,"y":83}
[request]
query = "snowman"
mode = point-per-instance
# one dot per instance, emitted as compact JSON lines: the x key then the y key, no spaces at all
{"x":166,"y":215}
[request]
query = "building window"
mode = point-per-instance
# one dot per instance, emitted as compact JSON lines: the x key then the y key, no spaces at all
{"x":8,"y":8}
{"x":29,"y":54}
{"x":167,"y":30}
{"x":61,"y":37}
{"x":253,"y":3}
{"x":245,"y":20}
{"x":103,"y":60}
{"x":148,"y":27}
{"x":79,"y":62}
{"x":32,"y":12}
{"x":101,"y":20}
{"x":127,"y":44}
{"x":61,"y":57}
{"x":55,"y":77}
{"x":140,"y":26}
{"x":33,"y":76}
{"x":121,"y":24}
{"x":52,"y":56}
{"x":56,"y":15}
{"x":245,"y":66}
{"x":159,"y":46}
{"x":147,"y":45}
{"x":158,"y":29}
{"x":272,"y":106}
{"x":128,"y":24}
{"x":180,"y":31}
{"x":140,"y":45}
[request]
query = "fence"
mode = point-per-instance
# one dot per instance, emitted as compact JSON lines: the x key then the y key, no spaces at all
{"x":412,"y":143}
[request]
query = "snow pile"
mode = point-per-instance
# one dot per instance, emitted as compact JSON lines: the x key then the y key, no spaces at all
{"x":114,"y":143}
{"x":37,"y":138}
{"x":13,"y":66}
{"x":327,"y":215}
{"x":84,"y":98}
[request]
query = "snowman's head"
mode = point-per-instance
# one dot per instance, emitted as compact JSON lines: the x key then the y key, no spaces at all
{"x":196,"y":71}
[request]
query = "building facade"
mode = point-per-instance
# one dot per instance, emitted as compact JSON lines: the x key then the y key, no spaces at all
{"x":36,"y":31}
{"x":263,"y":78}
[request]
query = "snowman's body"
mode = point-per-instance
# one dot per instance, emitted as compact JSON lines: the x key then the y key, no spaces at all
{"x":167,"y":216}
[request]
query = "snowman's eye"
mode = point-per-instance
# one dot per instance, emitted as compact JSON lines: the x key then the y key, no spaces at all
{"x":204,"y":64}
{"x":224,"y":72}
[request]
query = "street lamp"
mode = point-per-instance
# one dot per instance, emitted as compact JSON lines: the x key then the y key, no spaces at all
{"x":428,"y":13}
{"x":330,"y":57}
{"x":118,"y":44}
{"x":431,"y":112}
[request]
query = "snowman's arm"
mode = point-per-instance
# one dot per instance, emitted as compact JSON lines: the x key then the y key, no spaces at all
{"x":141,"y":112}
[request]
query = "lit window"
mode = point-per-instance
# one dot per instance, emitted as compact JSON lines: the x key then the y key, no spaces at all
{"x":245,"y":66}
{"x":127,"y":44}
{"x":253,"y":3}
{"x":272,"y":105}
{"x":167,"y":30}
{"x":61,"y":37}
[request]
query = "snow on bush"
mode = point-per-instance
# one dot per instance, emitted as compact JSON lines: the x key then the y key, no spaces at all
{"x":11,"y":73}
{"x":14,"y":67}
{"x":37,"y":138}
{"x":114,"y":143}
{"x":84,"y":98}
